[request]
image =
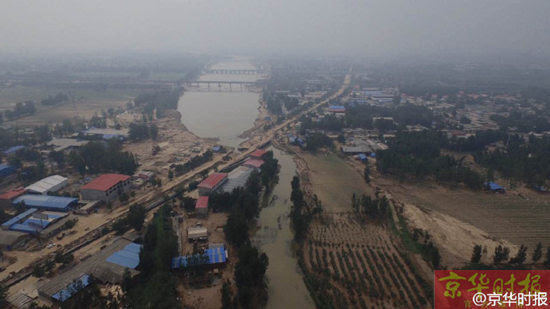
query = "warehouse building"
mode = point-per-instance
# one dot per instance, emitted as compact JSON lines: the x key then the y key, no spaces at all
{"x":107,"y":265}
{"x":46,"y":202}
{"x":237,"y":178}
{"x":33,"y":221}
{"x":212,"y":183}
{"x":49,"y":184}
{"x":197,"y":233}
{"x":106,"y":187}
{"x":7,"y":198}
{"x":10,"y":240}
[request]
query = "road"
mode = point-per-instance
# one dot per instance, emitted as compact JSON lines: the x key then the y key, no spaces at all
{"x":157,"y":197}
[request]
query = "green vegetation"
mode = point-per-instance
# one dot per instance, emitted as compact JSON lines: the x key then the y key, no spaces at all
{"x":140,"y":130}
{"x":418,"y":154}
{"x":159,"y":101}
{"x":181,"y":169}
{"x":376,"y":209}
{"x":276,"y":101}
{"x":155,"y":286}
{"x":99,"y":157}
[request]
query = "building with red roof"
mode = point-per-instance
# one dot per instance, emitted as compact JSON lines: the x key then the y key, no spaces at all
{"x":7,"y":197}
{"x":254,"y":163}
{"x":201,"y":207}
{"x":258,"y":153}
{"x":106,"y":187}
{"x":212,"y":183}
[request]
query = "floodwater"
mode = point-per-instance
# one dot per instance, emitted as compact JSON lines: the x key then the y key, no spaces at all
{"x":220,"y":110}
{"x":275,"y":237}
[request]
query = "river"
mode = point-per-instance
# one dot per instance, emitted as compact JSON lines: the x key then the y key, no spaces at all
{"x":274,"y":237}
{"x":218,"y":111}
{"x":226,"y":114}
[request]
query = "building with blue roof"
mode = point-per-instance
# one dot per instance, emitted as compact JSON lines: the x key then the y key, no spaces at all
{"x":127,"y":257}
{"x":46,"y":202}
{"x":214,"y":255}
{"x":6,"y":170}
{"x":362,"y":157}
{"x":13,"y":149}
{"x":73,"y":288}
{"x":18,"y":219}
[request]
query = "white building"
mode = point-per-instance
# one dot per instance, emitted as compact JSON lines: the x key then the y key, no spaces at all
{"x":49,"y":184}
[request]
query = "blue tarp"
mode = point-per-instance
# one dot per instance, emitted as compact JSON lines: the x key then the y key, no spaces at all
{"x":127,"y":257}
{"x":216,"y":148}
{"x":13,"y":149}
{"x":362,"y":156}
{"x":212,"y":255}
{"x":19,"y":217}
{"x":494,"y":187}
{"x":72,"y":288}
{"x":56,"y":203}
{"x":373,"y":155}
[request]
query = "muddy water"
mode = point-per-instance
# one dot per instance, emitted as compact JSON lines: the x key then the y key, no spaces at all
{"x":274,"y":237}
{"x":218,"y":111}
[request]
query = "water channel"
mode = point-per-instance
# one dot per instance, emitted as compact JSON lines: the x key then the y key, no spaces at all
{"x":226,"y":114}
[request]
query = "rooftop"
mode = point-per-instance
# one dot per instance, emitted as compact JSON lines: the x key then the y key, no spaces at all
{"x":13,"y":149}
{"x":105,"y":182}
{"x":212,"y":180}
{"x":212,"y":255}
{"x":12,"y":193}
{"x":45,"y":201}
{"x":202,"y":202}
{"x":127,"y":257}
{"x":51,"y":183}
{"x":258,"y":153}
{"x":257,"y":163}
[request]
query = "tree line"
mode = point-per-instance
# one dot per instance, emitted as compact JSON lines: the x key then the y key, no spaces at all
{"x":99,"y":157}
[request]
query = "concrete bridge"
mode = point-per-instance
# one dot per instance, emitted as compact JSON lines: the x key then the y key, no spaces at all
{"x":232,"y":72}
{"x":218,"y":85}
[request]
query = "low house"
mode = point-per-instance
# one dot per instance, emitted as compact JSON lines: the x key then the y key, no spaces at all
{"x":337,"y":109}
{"x":66,"y":144}
{"x":105,"y":133}
{"x":237,"y":178}
{"x":49,"y":184}
{"x":212,"y":183}
{"x":106,"y":187}
{"x":201,"y":207}
{"x":254,"y":163}
{"x":258,"y":154}
{"x":7,"y":198}
{"x":216,"y":255}
{"x":197,"y":233}
{"x":13,"y":150}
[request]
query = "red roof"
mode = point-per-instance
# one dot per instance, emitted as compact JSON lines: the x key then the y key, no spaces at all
{"x":258,"y":153}
{"x":257,"y":163}
{"x":12,"y":193}
{"x":105,"y":182}
{"x":202,"y":202}
{"x":212,"y":181}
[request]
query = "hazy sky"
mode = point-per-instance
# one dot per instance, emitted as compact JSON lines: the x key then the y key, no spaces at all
{"x":279,"y":26}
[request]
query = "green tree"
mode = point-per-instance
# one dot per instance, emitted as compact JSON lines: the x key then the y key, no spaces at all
{"x":136,"y":216}
{"x":520,"y":256}
{"x":476,"y":255}
{"x":537,"y":254}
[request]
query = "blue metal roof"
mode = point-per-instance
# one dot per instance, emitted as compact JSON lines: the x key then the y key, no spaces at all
{"x":215,"y":255}
{"x":127,"y":257}
{"x":19,"y":217}
{"x":42,"y":224}
{"x":46,"y":201}
{"x":72,"y":288}
{"x":25,"y":228}
{"x":13,"y":149}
